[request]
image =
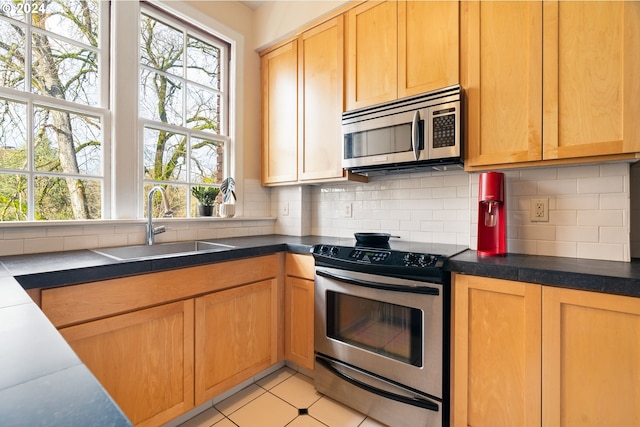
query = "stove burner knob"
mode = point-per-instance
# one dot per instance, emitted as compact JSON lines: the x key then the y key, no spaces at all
{"x":410,"y":259}
{"x":334,"y":250}
{"x":324,"y":249}
{"x":425,"y":260}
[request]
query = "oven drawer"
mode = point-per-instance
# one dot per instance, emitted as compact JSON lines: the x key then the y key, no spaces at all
{"x":374,"y":397}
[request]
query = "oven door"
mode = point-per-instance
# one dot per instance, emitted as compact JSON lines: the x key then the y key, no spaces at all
{"x":392,"y":328}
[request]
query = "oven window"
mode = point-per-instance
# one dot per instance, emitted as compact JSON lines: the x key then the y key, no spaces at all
{"x":387,"y":329}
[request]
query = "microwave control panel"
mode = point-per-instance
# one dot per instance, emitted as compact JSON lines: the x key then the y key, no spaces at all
{"x":444,"y":128}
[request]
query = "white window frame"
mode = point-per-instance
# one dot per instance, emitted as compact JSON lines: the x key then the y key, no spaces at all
{"x":126,"y":128}
{"x":101,"y":111}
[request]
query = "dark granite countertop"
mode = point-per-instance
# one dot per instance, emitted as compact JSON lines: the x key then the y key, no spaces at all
{"x":621,"y":278}
{"x":60,"y":390}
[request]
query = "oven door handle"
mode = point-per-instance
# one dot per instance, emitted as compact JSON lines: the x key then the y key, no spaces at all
{"x":425,"y":290}
{"x":414,"y":401}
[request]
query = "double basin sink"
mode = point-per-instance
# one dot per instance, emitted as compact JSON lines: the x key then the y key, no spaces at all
{"x":161,"y":250}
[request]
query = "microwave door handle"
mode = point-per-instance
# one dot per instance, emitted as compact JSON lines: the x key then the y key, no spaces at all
{"x":415,"y":134}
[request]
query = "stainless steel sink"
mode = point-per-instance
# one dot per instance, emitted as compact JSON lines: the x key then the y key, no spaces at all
{"x":161,"y":250}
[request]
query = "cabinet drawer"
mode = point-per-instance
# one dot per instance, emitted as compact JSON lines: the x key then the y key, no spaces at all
{"x":299,"y":265}
{"x":79,"y":303}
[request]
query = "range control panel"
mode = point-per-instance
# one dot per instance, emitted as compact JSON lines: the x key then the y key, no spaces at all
{"x":378,"y":256}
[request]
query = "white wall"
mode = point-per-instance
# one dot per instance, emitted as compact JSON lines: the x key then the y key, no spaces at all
{"x":635,"y":211}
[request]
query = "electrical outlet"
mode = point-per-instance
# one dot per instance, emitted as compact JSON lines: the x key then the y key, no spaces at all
{"x":284,"y":209}
{"x":348,"y":212}
{"x":540,"y":210}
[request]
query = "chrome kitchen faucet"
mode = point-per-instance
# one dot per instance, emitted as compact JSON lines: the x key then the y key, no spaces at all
{"x":151,"y":230}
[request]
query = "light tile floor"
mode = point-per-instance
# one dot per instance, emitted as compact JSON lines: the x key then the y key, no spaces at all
{"x":284,"y":398}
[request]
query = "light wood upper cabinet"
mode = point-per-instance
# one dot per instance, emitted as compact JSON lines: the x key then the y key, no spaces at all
{"x":372,"y":54}
{"x":143,"y":359}
{"x":503,"y":50}
{"x":527,"y":354}
{"x":236,"y":336}
{"x":591,"y":359}
{"x":428,"y":46}
{"x":397,"y":49}
{"x":280,"y":114}
{"x":321,"y":87}
{"x":496,"y":353}
{"x":550,"y":81}
{"x":299,"y":310}
{"x":591,"y":86}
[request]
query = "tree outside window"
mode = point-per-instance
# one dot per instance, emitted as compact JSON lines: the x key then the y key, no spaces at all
{"x":183,"y":107}
{"x":51,"y":139}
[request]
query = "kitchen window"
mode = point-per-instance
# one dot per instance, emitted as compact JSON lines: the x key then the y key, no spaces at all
{"x":53,"y":110}
{"x":85,"y":131}
{"x":183,"y":109}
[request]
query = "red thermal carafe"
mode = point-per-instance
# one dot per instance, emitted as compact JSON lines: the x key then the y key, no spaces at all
{"x":492,"y":218}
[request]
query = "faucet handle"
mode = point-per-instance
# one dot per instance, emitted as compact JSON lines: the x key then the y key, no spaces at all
{"x":159,"y":229}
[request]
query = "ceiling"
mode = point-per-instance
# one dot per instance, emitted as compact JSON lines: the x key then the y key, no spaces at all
{"x":253,"y":4}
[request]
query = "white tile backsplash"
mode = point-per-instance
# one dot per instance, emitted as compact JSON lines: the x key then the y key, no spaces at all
{"x":635,"y":210}
{"x":594,"y":212}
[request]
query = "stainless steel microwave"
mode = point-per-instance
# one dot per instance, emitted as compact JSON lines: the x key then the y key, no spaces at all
{"x":410,"y":133}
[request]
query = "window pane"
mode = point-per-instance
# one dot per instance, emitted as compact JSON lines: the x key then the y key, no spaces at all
{"x":12,"y":53}
{"x":176,"y":199}
{"x":67,"y":142}
{"x":161,"y":46}
{"x":12,"y":10}
{"x":65,"y":199}
{"x":207,"y":161}
{"x":75,"y":19}
{"x":13,"y":134}
{"x":164,"y":155}
{"x":13,"y":197}
{"x":203,"y":63}
{"x":161,"y":98}
{"x":64,"y":71}
{"x":203,"y":109}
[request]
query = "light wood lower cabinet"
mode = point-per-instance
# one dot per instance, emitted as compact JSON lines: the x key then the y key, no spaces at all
{"x":526,"y":354}
{"x":591,"y":359}
{"x":143,"y":359}
{"x":496,"y":353}
{"x":164,"y":342}
{"x":299,"y":306}
{"x":236,"y":336}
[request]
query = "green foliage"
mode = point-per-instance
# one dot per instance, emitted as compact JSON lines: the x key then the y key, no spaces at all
{"x":205,"y":195}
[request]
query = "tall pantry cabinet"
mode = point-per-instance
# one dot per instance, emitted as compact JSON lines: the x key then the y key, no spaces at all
{"x":550,"y":81}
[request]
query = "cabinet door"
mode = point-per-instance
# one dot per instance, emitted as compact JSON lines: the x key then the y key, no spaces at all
{"x":591,"y":354}
{"x":236,"y":336}
{"x":503,"y":48}
{"x":428,"y":46}
{"x":496,"y":354}
{"x":321,"y":53}
{"x":144,"y":359}
{"x":372,"y":54}
{"x":591,"y":85}
{"x":279,"y":114}
{"x":298,"y":339}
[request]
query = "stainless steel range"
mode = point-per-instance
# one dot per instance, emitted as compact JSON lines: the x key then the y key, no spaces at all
{"x":382,"y":330}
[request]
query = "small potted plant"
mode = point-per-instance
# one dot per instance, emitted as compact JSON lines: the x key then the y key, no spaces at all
{"x":228,"y":207}
{"x":206,"y":197}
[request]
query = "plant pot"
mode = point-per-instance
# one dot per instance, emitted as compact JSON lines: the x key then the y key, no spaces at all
{"x":205,"y":210}
{"x":227,"y":210}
